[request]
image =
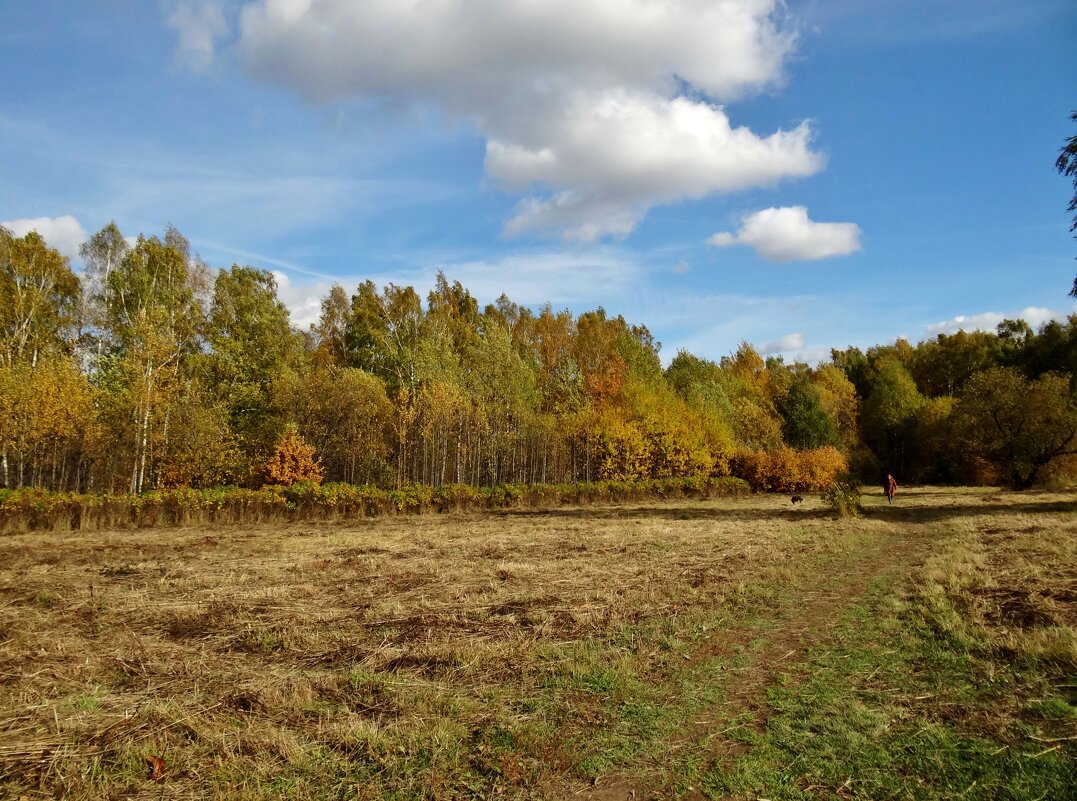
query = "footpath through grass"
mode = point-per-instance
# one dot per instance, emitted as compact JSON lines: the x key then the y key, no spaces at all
{"x":735,"y":648}
{"x":903,"y":703}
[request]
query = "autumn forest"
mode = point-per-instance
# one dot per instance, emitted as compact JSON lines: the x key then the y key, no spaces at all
{"x":148,"y":370}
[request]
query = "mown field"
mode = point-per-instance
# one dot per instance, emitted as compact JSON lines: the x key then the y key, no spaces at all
{"x":738,"y":648}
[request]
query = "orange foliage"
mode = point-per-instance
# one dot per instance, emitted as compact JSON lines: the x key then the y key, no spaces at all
{"x":604,"y":385}
{"x":292,"y":461}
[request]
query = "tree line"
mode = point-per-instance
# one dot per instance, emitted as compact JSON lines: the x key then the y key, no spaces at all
{"x":149,"y":370}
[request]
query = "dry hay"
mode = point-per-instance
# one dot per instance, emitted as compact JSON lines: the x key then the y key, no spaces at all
{"x":253,"y":646}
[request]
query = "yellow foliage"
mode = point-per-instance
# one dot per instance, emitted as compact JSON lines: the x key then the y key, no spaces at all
{"x":788,"y":470}
{"x":622,"y":449}
{"x":44,"y":411}
{"x":838,"y":397}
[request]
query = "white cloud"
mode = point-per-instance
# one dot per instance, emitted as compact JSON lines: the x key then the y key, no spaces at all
{"x":582,"y":102}
{"x":65,"y":234}
{"x":1035,"y":316}
{"x":786,"y":234}
{"x":786,"y":344}
{"x":199,"y":26}
{"x":467,"y":52}
{"x":612,"y":157}
{"x":794,"y":348}
{"x":303,"y":298}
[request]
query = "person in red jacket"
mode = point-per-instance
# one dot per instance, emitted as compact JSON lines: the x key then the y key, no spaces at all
{"x":890,"y":487}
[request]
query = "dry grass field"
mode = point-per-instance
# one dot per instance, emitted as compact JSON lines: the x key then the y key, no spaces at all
{"x":736,"y":648}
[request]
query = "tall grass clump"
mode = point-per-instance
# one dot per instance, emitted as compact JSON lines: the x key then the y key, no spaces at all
{"x":843,"y":495}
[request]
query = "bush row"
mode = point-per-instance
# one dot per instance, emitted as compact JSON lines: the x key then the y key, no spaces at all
{"x":36,"y":510}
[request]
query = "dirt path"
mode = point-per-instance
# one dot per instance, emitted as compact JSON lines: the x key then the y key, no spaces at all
{"x":806,"y":622}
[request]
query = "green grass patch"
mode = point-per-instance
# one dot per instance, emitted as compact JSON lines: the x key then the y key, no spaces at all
{"x":890,"y":709}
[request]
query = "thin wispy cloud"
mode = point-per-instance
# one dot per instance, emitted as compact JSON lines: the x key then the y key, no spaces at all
{"x":199,"y":26}
{"x":562,"y":278}
{"x":785,"y":344}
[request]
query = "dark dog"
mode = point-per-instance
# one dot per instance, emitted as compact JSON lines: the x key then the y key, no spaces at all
{"x":797,"y":499}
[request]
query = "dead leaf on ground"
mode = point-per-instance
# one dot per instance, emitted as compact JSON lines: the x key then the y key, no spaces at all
{"x":157,"y":768}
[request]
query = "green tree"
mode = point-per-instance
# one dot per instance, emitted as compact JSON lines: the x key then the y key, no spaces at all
{"x":942,"y":366}
{"x":940,"y":458}
{"x":331,"y":330}
{"x":807,"y":423}
{"x":548,"y":339}
{"x":101,"y":254}
{"x":703,"y":386}
{"x":383,"y":334}
{"x":1019,"y":425}
{"x":456,"y":309}
{"x":345,"y":414}
{"x":1052,"y":349}
{"x":889,"y":413}
{"x":751,"y":388}
{"x":39,"y":299}
{"x":857,"y":368}
{"x":251,"y":342}
{"x":501,"y":384}
{"x":838,"y":397}
{"x":154,"y":320}
{"x":200,"y":449}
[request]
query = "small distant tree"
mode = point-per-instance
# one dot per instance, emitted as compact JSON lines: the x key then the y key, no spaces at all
{"x":292,"y":461}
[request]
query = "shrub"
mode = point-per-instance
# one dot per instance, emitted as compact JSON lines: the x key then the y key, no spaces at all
{"x":292,"y":461}
{"x":843,"y":495}
{"x":36,"y":509}
{"x":457,"y":498}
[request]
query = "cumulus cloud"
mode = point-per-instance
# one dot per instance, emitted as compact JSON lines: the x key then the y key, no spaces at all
{"x":613,"y":157}
{"x":598,"y":109}
{"x":787,"y":234}
{"x":1035,"y":316}
{"x":786,"y":344}
{"x":303,"y":299}
{"x":468,"y":52}
{"x":199,"y":27}
{"x":65,"y":234}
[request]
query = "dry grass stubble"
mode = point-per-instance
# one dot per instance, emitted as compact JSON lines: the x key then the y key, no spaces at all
{"x":235,"y":653}
{"x":369,"y":660}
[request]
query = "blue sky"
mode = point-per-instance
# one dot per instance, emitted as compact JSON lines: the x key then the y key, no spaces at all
{"x":800,"y":176}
